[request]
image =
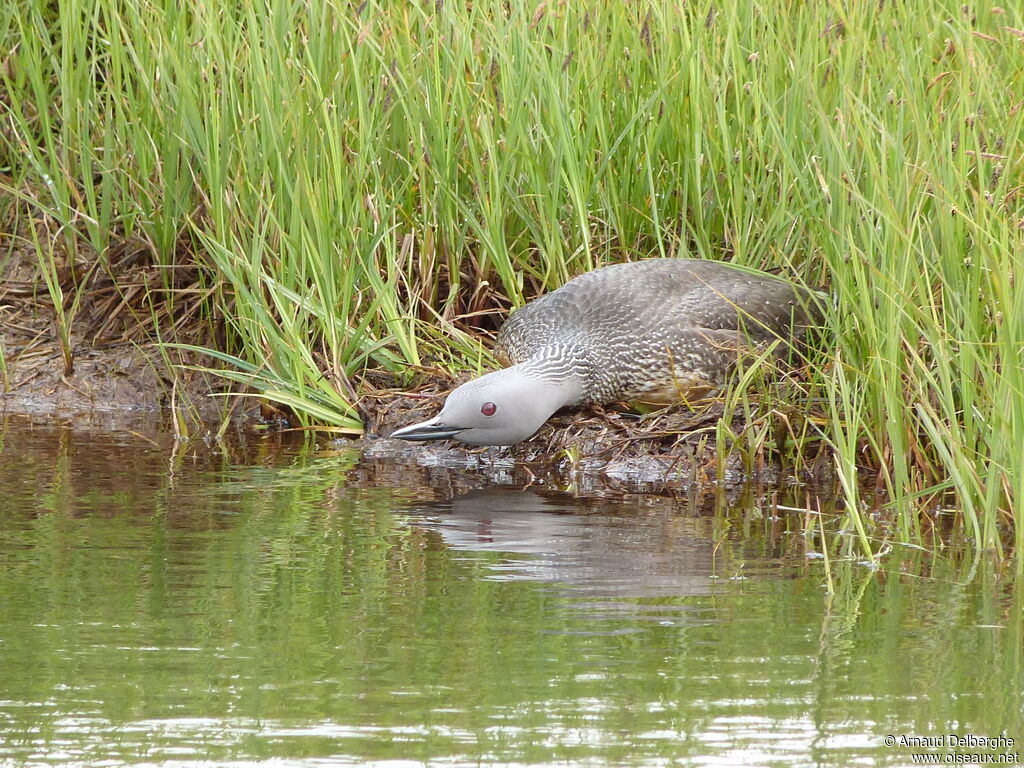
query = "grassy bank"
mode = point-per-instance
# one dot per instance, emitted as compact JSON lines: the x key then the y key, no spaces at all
{"x":331,"y":187}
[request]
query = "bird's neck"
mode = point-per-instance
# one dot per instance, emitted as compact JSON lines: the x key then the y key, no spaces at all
{"x":559,"y":374}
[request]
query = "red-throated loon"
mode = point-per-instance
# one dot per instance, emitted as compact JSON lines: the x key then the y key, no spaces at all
{"x":659,"y":331}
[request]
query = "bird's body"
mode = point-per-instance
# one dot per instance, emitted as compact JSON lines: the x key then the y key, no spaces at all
{"x":660,"y":330}
{"x":653,"y":330}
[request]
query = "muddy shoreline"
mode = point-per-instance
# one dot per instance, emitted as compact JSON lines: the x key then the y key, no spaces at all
{"x":590,"y":452}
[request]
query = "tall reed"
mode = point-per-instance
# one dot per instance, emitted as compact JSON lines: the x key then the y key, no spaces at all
{"x":352,"y":177}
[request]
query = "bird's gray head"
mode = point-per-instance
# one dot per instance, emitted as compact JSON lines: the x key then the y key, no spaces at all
{"x":499,"y":408}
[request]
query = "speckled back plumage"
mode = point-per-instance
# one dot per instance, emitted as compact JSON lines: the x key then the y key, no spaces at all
{"x":656,"y":330}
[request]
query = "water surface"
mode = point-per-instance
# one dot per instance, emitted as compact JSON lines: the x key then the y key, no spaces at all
{"x":252,"y":604}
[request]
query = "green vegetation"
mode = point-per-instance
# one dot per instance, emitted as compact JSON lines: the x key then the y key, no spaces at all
{"x":342,"y":184}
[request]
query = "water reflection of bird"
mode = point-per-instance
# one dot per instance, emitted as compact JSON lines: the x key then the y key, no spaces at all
{"x":660,"y":331}
{"x":614,"y":555}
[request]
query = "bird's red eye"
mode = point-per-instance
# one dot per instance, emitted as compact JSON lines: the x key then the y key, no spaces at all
{"x":488,"y":409}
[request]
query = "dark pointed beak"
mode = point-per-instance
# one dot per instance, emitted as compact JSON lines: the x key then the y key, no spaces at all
{"x":427,"y":430}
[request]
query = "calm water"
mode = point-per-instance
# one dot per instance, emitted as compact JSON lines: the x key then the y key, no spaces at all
{"x":197,"y":605}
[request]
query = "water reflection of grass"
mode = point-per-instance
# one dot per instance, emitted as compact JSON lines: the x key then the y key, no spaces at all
{"x":285,"y":620}
{"x":327,"y":188}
